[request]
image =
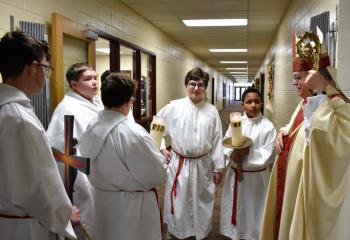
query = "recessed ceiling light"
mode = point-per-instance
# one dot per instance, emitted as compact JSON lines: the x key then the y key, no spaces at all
{"x":103,"y":50}
{"x":215,"y":22}
{"x":223,"y":50}
{"x":238,"y":68}
{"x":234,"y":62}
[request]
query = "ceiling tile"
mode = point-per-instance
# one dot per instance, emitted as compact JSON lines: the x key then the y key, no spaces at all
{"x":199,"y":6}
{"x":264,"y":17}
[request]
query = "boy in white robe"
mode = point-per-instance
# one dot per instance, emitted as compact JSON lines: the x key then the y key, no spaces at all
{"x":196,"y":159}
{"x":33,"y":201}
{"x":82,"y":102}
{"x":242,"y":202}
{"x":126,"y":167}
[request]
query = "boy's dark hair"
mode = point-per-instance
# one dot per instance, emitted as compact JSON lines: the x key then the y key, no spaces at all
{"x":105,"y":74}
{"x":18,"y":49}
{"x":197,"y":74}
{"x":74,"y":72}
{"x":117,"y":89}
{"x":251,"y":90}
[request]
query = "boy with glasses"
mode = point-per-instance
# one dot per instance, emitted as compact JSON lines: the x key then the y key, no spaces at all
{"x":196,"y":159}
{"x":33,"y":201}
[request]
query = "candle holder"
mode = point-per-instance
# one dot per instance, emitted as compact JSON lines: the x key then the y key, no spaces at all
{"x":246,"y":142}
{"x":157,"y":129}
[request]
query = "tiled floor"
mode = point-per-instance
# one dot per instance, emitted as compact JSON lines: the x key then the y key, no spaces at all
{"x":214,"y":234}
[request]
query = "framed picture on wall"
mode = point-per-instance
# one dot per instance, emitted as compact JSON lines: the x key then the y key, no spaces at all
{"x":271,"y":78}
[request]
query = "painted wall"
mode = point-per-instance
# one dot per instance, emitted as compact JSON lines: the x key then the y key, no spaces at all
{"x":111,"y":16}
{"x":297,"y":18}
{"x":343,"y":61}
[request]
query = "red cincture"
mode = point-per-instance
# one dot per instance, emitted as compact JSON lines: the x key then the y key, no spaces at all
{"x":173,"y":188}
{"x":235,"y":192}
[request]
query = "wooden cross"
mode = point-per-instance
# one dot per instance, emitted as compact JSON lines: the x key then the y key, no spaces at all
{"x":71,"y":161}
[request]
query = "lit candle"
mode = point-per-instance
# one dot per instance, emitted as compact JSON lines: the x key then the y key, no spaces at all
{"x":236,"y":128}
{"x":157,"y":129}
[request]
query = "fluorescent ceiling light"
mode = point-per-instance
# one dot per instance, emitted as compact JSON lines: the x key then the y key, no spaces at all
{"x":215,"y":22}
{"x":228,"y":50}
{"x":239,"y":75}
{"x":239,"y":72}
{"x":234,"y":62}
{"x":103,"y":50}
{"x":239,"y":68}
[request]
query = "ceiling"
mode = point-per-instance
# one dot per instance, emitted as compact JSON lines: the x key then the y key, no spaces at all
{"x":264,"y":17}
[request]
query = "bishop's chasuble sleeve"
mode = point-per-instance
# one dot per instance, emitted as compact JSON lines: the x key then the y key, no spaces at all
{"x":322,"y":210}
{"x":283,"y":185}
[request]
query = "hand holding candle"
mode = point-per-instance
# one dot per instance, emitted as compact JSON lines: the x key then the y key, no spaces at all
{"x":236,"y":128}
{"x":157,"y":129}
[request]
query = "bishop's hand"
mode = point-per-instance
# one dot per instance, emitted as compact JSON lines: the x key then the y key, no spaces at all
{"x":279,"y":140}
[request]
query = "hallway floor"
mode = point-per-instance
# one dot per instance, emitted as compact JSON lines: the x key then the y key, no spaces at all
{"x":214,"y":234}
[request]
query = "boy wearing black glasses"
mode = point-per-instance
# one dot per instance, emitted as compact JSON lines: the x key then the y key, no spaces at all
{"x":196,"y":159}
{"x":33,"y":201}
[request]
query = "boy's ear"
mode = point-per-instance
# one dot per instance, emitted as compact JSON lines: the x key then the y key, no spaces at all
{"x":73,"y":85}
{"x":32,"y":68}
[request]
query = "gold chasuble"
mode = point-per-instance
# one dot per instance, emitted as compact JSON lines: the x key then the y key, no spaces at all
{"x":313,"y":169}
{"x":284,"y":180}
{"x":323,"y":203}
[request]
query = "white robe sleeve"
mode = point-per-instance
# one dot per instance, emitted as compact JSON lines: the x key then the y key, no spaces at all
{"x":55,"y":132}
{"x":217,"y":154}
{"x":312,"y":104}
{"x":163,"y":113}
{"x":228,"y":151}
{"x":32,"y":181}
{"x":149,"y":172}
{"x":261,"y":156}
